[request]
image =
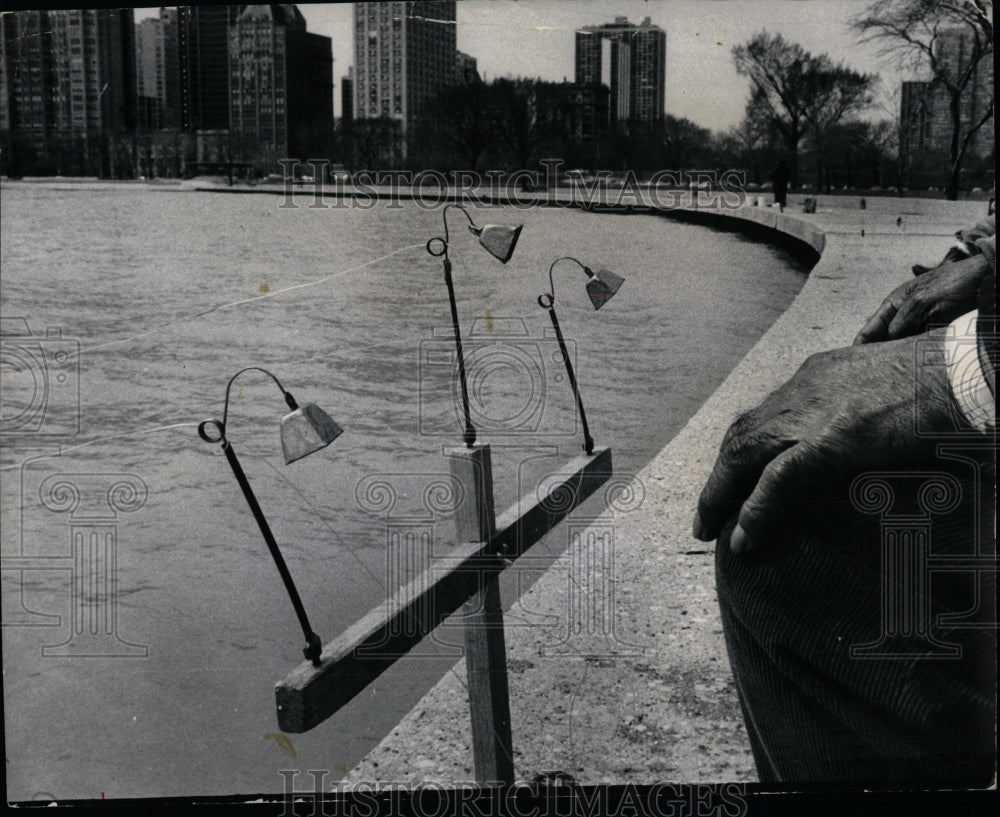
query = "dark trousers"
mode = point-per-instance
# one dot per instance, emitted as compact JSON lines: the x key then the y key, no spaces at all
{"x":863,"y":641}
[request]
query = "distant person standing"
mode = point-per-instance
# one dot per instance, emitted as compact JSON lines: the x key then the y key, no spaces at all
{"x":780,"y":180}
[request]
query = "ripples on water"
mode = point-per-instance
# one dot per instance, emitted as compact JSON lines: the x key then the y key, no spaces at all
{"x":123,"y":271}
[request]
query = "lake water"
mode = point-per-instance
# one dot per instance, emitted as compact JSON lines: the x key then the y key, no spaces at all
{"x":160,"y":292}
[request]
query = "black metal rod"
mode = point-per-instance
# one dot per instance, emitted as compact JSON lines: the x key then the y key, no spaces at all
{"x":588,"y":441}
{"x":470,"y":431}
{"x":313,"y":643}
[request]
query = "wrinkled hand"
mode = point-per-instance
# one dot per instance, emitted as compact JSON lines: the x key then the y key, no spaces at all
{"x":843,"y":412}
{"x":938,"y":296}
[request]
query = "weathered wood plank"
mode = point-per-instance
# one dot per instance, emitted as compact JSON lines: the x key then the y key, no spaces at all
{"x":355,"y":658}
{"x":575,"y":483}
{"x":485,"y":651}
{"x":475,"y":519}
{"x":489,"y":696}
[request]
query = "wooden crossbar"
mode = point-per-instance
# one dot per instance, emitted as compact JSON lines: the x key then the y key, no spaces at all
{"x":351,"y":661}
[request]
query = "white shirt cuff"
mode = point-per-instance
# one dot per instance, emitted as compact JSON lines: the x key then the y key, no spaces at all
{"x":968,"y":384}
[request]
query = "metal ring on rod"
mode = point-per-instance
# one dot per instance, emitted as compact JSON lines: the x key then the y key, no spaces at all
{"x":444,"y":246}
{"x":203,"y":433}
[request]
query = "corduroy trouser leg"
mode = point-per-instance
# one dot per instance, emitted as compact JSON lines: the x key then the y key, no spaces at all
{"x":904,"y":706}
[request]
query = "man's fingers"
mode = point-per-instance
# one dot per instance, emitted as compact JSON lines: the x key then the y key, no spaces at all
{"x":910,"y":319}
{"x":738,"y":467}
{"x":877,"y":327}
{"x":782,"y":486}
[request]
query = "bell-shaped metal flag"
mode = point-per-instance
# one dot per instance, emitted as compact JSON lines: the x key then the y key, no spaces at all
{"x":305,"y":430}
{"x":498,"y":241}
{"x":602,"y":286}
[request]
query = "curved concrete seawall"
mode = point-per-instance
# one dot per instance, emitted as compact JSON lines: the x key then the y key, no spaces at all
{"x":630,"y":681}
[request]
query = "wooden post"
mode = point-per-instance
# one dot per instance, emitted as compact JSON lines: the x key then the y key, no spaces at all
{"x":485,"y":651}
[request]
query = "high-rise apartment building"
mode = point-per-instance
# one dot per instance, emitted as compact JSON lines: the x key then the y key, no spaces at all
{"x":925,"y":121}
{"x":954,"y":52}
{"x":637,"y":70}
{"x":578,"y":111}
{"x":27,"y":86}
{"x":915,"y":118}
{"x":158,"y":71}
{"x":404,"y":54}
{"x":466,"y":68}
{"x":280,"y":84}
{"x":69,"y":84}
{"x":648,"y":73}
{"x":347,"y":96}
{"x":203,"y":59}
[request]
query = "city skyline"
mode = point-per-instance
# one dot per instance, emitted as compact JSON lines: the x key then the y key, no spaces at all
{"x":262,"y":86}
{"x":536,"y":39}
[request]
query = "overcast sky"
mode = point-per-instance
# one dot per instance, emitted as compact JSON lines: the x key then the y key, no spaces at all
{"x":535,"y":38}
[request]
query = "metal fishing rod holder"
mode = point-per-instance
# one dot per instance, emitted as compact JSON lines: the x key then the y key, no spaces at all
{"x":305,"y":430}
{"x":601,"y":286}
{"x":498,"y":241}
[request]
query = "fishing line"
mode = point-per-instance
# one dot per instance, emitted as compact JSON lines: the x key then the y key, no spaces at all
{"x":261,"y":297}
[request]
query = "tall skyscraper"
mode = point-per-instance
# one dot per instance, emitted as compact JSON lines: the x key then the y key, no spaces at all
{"x":648,"y":72}
{"x":281,"y":84}
{"x":203,"y":57}
{"x":69,"y":79}
{"x":158,"y":70}
{"x":637,"y":75}
{"x":404,"y":53}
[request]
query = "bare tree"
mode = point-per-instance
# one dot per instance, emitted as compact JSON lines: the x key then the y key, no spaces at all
{"x":797,"y":91}
{"x":679,"y":142}
{"x":915,"y":33}
{"x":752,"y":143}
{"x":516,"y":117}
{"x":838,"y":92}
{"x":464,"y":117}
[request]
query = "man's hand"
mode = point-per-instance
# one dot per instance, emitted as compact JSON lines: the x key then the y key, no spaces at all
{"x":937,"y":297}
{"x":843,"y":412}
